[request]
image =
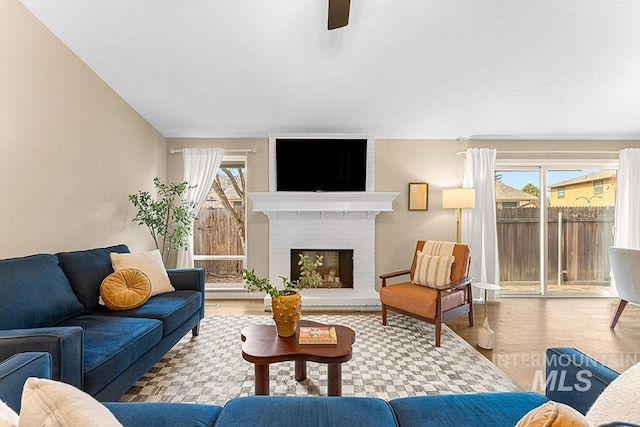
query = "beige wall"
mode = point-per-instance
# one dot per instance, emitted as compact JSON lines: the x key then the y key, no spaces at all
{"x":398,"y":162}
{"x":70,"y":148}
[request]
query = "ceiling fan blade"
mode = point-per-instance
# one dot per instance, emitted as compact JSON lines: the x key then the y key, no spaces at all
{"x":338,"y":13}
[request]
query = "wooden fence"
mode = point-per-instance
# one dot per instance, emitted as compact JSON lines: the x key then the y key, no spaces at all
{"x":586,"y":237}
{"x":215,"y":233}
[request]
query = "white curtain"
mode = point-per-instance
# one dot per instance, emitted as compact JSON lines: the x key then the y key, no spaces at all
{"x":479,"y":224}
{"x":628,"y":200}
{"x":200,"y":168}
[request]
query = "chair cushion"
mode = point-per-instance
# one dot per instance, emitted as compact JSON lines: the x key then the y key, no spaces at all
{"x":148,"y":262}
{"x":125,"y":289}
{"x":86,"y":270}
{"x":112,"y":344}
{"x":458,"y":269}
{"x":472,"y":409}
{"x":433,"y":271}
{"x":420,"y":300}
{"x":173,"y":309}
{"x":35,"y":293}
{"x":284,"y":411}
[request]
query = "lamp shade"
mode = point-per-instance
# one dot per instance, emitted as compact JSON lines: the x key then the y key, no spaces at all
{"x":462,"y":198}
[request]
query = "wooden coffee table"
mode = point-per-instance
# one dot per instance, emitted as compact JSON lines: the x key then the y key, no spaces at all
{"x":262,"y":346}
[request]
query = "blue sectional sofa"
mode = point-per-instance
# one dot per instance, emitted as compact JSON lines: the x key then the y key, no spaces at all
{"x":465,"y":410}
{"x":49,"y":303}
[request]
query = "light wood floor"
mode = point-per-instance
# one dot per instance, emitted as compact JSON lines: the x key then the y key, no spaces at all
{"x":526,"y":327}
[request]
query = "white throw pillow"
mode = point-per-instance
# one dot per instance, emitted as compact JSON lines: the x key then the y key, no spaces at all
{"x":8,"y":417}
{"x":433,"y":271}
{"x":150,"y":263}
{"x":53,"y":403}
{"x":619,"y":401}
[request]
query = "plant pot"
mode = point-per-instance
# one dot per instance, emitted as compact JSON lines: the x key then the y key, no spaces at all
{"x":286,"y":313}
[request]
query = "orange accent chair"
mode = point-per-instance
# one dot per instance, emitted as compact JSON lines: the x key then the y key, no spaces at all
{"x":432,"y":305}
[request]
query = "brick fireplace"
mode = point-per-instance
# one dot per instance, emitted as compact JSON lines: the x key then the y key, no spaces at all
{"x":331,"y":221}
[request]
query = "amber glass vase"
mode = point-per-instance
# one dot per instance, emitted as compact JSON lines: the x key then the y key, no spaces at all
{"x":286,"y":313}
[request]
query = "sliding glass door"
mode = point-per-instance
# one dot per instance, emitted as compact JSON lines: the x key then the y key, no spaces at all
{"x":555,"y":241}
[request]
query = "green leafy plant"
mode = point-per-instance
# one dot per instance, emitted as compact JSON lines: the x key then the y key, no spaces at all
{"x":309,"y":278}
{"x":168,"y":217}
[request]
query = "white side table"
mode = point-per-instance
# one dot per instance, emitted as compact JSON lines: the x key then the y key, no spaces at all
{"x":486,"y":336}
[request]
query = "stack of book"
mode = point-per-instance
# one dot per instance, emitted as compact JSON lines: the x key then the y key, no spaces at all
{"x":317,"y":335}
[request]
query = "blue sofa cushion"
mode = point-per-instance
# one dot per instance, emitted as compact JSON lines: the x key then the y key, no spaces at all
{"x":172,"y":308}
{"x":34,"y":293}
{"x":464,"y":410}
{"x":112,"y":344}
{"x":86,"y":270}
{"x":164,"y":414}
{"x":283,"y":411}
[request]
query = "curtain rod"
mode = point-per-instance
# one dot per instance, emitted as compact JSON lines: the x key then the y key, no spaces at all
{"x":237,"y":150}
{"x":552,"y":151}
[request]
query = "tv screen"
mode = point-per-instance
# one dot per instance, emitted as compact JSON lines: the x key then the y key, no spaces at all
{"x":321,"y":164}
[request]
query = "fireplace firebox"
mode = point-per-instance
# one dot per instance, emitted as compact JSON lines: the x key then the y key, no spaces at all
{"x":336,"y":269}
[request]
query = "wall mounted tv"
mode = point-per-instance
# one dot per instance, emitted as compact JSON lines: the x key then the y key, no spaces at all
{"x":321,"y":164}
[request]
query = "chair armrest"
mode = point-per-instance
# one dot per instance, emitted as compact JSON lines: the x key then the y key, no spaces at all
{"x":14,"y":372}
{"x":456,"y":285}
{"x":574,"y":378}
{"x":384,"y":277}
{"x":64,"y":344}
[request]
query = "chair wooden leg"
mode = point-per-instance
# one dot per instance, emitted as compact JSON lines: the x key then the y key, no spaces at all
{"x":438,"y":332}
{"x":384,"y":315}
{"x":196,"y":330}
{"x":470,"y":302}
{"x":621,"y":305}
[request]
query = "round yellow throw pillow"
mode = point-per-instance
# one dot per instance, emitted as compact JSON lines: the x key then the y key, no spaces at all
{"x":553,"y":414}
{"x":125,"y":289}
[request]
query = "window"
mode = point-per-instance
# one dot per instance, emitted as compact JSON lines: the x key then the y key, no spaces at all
{"x":598,"y":186}
{"x":219,"y":231}
{"x":561,"y":192}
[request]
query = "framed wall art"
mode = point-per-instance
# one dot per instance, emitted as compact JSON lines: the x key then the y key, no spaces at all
{"x":418,"y":196}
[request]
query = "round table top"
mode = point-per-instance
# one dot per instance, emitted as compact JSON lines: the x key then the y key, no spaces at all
{"x":486,"y":286}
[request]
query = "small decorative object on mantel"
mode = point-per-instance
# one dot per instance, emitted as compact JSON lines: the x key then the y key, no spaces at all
{"x":418,"y":196}
{"x":286,"y":303}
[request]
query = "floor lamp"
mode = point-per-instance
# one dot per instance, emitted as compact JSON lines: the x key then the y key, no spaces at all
{"x":459,"y":198}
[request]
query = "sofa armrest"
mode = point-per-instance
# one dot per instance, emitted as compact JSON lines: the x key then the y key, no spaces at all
{"x":14,"y":372}
{"x":574,"y":378}
{"x":187,"y":279}
{"x":64,"y":344}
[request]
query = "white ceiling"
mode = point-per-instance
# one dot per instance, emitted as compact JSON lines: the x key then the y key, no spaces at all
{"x":400,"y":69}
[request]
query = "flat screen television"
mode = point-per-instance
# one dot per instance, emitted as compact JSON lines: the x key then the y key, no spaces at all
{"x":321,"y":164}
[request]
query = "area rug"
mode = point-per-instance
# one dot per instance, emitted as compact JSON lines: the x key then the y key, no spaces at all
{"x":388,"y":362}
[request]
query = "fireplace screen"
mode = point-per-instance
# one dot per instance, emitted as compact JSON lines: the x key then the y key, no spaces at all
{"x":336,"y":269}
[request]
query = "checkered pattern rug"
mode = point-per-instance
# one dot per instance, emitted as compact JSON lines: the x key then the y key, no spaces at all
{"x":388,"y":362}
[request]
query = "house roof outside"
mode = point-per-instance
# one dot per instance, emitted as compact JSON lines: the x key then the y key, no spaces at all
{"x":504,"y":193}
{"x":594,"y":176}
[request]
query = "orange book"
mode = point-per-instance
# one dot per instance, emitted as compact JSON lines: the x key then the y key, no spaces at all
{"x":317,"y":335}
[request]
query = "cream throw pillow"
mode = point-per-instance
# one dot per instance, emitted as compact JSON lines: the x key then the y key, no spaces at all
{"x":619,"y":401}
{"x":8,"y":418}
{"x":433,"y":271}
{"x":150,"y":263}
{"x":53,"y":403}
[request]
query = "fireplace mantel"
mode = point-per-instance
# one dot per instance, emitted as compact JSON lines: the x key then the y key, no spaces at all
{"x":282,"y":201}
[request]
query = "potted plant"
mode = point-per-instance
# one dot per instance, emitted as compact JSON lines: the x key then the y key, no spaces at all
{"x":286,"y":303}
{"x":169,"y":217}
